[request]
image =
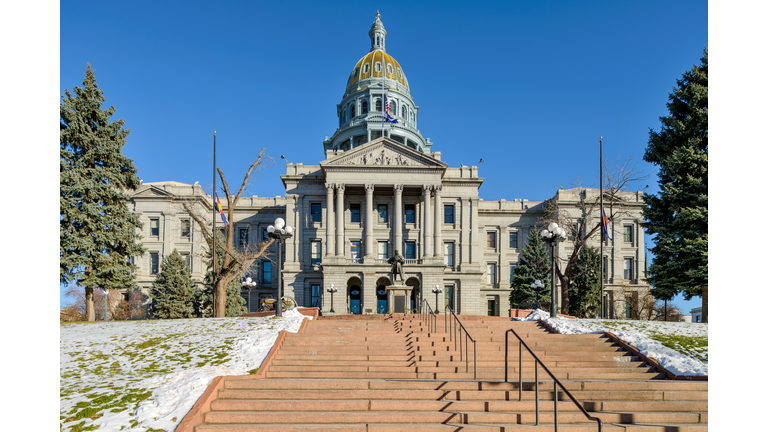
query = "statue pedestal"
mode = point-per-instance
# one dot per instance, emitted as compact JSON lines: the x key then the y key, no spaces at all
{"x":398,"y":298}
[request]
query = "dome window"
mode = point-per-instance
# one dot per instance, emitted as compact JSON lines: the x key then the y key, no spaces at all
{"x":393,"y":107}
{"x":399,"y":74}
{"x":364,"y":107}
{"x":351,"y":110}
{"x":378,"y":67}
{"x":402,"y":111}
{"x":378,"y":104}
{"x":365,"y":68}
{"x":389,"y":69}
{"x":356,"y":71}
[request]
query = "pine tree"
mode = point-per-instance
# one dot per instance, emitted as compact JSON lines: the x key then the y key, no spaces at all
{"x":584,"y":289}
{"x":235,"y":303}
{"x":678,"y":216}
{"x":173,"y":291}
{"x":534,"y":263}
{"x":97,"y":233}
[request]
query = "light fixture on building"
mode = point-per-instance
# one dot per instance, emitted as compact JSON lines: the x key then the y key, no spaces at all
{"x":437,"y":290}
{"x":551,"y":236}
{"x":280,"y":232}
{"x":332,"y":289}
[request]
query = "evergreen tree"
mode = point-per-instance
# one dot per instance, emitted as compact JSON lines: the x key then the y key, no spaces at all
{"x":584,"y":289}
{"x":97,"y":233}
{"x":173,"y":291}
{"x":534,"y":263}
{"x":678,"y":216}
{"x":235,"y":303}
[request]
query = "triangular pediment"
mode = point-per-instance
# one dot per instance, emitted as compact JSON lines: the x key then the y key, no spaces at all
{"x":148,"y":191}
{"x":384,"y":152}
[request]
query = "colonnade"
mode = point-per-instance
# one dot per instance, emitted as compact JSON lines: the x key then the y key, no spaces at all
{"x":432,"y":219}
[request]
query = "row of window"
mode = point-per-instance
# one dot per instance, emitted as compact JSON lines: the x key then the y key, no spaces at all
{"x":382,"y":211}
{"x":351,"y":111}
{"x":154,"y":261}
{"x":186,"y":228}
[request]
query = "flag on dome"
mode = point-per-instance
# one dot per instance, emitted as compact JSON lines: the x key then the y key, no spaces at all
{"x":386,"y":109}
{"x":605,"y":224}
{"x":220,"y":209}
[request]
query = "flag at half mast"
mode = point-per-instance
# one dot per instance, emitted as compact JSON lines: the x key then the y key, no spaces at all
{"x":220,"y":209}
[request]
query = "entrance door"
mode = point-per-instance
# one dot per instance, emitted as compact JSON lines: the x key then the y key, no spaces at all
{"x":354,"y":300}
{"x":491,"y":307}
{"x":381,"y":300}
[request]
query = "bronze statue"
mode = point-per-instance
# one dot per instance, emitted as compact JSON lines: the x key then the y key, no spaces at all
{"x":397,"y":262}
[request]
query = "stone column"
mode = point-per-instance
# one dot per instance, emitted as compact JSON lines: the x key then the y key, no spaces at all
{"x":290,"y":220}
{"x":329,"y":222}
{"x":476,"y":240}
{"x":369,"y":220}
{"x":426,"y":189}
{"x":438,"y":221}
{"x":340,"y":220}
{"x":464,"y":231}
{"x":398,"y":218}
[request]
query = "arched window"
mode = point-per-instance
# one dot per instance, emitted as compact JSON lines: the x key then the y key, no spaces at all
{"x":402,"y":114}
{"x":393,"y":107}
{"x":365,"y":107}
{"x":356,"y":71}
{"x":389,"y":68}
{"x":377,"y":68}
{"x":352,"y":110}
{"x":378,"y":104}
{"x":365,"y":68}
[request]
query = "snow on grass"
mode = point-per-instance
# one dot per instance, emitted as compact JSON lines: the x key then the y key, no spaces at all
{"x":681,"y":348}
{"x":146,"y":375}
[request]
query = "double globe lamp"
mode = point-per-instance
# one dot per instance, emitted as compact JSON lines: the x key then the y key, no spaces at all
{"x":280,"y":232}
{"x":551,"y":236}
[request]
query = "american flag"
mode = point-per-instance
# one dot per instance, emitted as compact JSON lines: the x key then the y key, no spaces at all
{"x":386,"y":108}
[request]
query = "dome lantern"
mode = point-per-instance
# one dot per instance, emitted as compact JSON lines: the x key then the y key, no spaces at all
{"x":377,"y":34}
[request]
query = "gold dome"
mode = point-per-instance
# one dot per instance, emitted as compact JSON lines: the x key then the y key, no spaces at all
{"x":366,"y":68}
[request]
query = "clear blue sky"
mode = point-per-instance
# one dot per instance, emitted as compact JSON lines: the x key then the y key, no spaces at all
{"x":529,"y":87}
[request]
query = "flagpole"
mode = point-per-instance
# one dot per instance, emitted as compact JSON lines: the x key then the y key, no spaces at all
{"x":383,"y":102}
{"x":213,"y":231}
{"x":602,"y":231}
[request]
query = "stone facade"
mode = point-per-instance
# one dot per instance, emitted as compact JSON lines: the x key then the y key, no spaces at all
{"x":373,"y":195}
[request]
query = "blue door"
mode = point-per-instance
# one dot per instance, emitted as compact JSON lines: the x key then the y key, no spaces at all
{"x":354,"y":300}
{"x":381,"y":300}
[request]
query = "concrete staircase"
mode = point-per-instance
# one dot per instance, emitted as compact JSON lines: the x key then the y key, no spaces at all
{"x":393,"y":375}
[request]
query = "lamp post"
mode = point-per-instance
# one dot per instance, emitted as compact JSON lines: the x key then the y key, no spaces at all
{"x":280,"y":232}
{"x":437,"y":290}
{"x":537,"y":287}
{"x":106,"y":300}
{"x":249,"y":284}
{"x":553,"y":235}
{"x":332,"y":290}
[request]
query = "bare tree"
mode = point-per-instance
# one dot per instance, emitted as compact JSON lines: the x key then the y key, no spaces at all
{"x":235,"y":260}
{"x":617,"y":180}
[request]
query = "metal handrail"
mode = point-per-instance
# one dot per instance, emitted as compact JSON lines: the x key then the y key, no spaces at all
{"x":452,"y":324}
{"x":536,"y":378}
{"x":431,"y":318}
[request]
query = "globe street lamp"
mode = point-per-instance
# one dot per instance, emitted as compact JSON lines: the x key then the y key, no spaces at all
{"x":437,"y":290}
{"x":332,"y":290}
{"x":248,"y":284}
{"x":553,"y":235}
{"x":537,"y":288}
{"x":280,"y":232}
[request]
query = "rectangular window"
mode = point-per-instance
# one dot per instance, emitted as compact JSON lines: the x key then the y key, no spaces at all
{"x":264,"y":234}
{"x":491,"y":307}
{"x":154,"y":263}
{"x":513,"y":240}
{"x":266,"y":271}
{"x":628,"y":269}
{"x":605,"y":268}
{"x":188,"y":260}
{"x":450,"y":298}
{"x":315,"y":248}
{"x":491,"y":273}
{"x":448,"y":213}
{"x":154,"y":227}
{"x":315,"y":209}
{"x":627,"y":309}
{"x":243,"y":237}
{"x":628,"y":234}
{"x":410,"y":213}
{"x":382,"y":210}
{"x":511,"y":272}
{"x":316,"y":295}
{"x":383,"y":250}
{"x":448,"y":253}
{"x":491,"y":240}
{"x":354,"y":210}
{"x":186,"y":229}
{"x":355,"y":249}
{"x":410,"y":250}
